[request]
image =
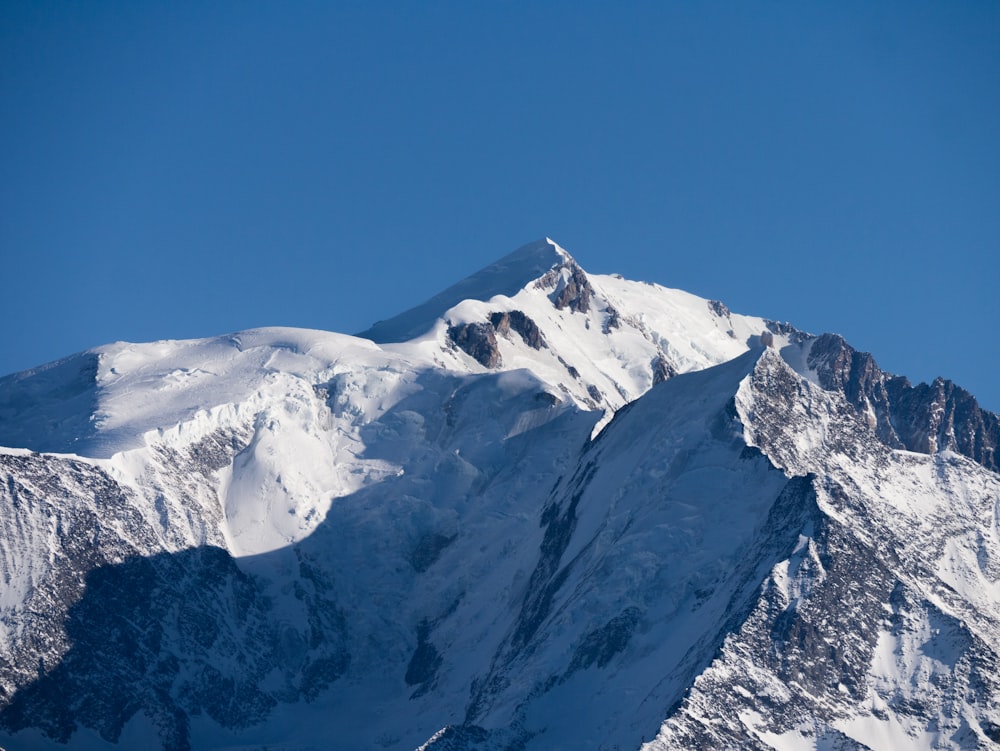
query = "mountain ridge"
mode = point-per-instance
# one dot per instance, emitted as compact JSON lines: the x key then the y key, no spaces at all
{"x":505,"y":277}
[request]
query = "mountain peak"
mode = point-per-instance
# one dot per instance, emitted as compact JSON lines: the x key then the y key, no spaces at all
{"x":542,"y":251}
{"x":507,"y":276}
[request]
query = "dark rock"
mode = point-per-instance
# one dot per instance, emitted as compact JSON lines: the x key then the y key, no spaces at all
{"x":577,"y":292}
{"x":47,"y":487}
{"x":786,"y":329}
{"x":719,"y":308}
{"x":569,"y":368}
{"x":176,"y":635}
{"x":942,"y":416}
{"x":503,"y":323}
{"x":548,"y":399}
{"x":662,"y":369}
{"x":216,"y":450}
{"x":613,"y":320}
{"x":925,"y":418}
{"x":477,"y":340}
{"x":856,"y":375}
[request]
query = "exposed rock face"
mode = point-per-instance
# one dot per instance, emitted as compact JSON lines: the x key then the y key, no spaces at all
{"x":786,"y":329}
{"x":937,"y":416}
{"x":857,"y":376}
{"x":613,"y":320}
{"x":517,"y":321}
{"x":479,"y":341}
{"x":788,"y":658}
{"x":662,"y":369}
{"x":576,"y":294}
{"x":572,"y":287}
{"x":719,"y":308}
{"x":925,"y":418}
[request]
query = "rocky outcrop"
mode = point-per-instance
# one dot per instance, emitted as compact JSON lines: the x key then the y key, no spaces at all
{"x":477,"y":340}
{"x":840,"y":367}
{"x":613,"y":319}
{"x":517,"y":321}
{"x":924,"y":418}
{"x":572,"y":290}
{"x":577,"y":292}
{"x":719,"y":308}
{"x":786,"y":329}
{"x":938,"y":416}
{"x":43,"y":503}
{"x":662,"y":369}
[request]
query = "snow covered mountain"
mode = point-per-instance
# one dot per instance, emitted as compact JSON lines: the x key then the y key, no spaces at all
{"x":544,"y":510}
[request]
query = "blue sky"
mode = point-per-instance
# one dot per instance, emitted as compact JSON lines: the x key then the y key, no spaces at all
{"x":174,"y":170}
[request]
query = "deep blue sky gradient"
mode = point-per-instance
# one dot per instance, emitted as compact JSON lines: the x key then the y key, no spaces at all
{"x":174,"y":170}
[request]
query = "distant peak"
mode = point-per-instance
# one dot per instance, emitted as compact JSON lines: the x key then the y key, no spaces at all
{"x":527,"y":263}
{"x":507,"y":276}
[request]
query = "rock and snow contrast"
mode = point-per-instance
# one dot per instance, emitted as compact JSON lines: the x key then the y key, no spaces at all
{"x":544,"y":510}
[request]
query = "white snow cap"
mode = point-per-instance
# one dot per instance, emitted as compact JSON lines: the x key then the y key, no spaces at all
{"x":507,"y":276}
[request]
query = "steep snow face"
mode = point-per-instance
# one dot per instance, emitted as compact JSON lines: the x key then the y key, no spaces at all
{"x":651,"y":546}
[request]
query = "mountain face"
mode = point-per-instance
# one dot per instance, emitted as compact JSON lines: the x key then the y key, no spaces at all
{"x":544,"y":510}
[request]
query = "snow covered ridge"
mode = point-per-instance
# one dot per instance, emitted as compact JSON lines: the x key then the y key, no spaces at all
{"x":479,"y":525}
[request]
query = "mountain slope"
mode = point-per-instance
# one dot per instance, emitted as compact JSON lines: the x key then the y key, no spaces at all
{"x":546,"y":509}
{"x":905,"y":553}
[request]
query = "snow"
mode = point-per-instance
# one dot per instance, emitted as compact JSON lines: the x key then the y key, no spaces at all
{"x":507,"y":276}
{"x":887,"y":735}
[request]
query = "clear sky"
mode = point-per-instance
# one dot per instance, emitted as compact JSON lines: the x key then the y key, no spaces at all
{"x":175,"y":170}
